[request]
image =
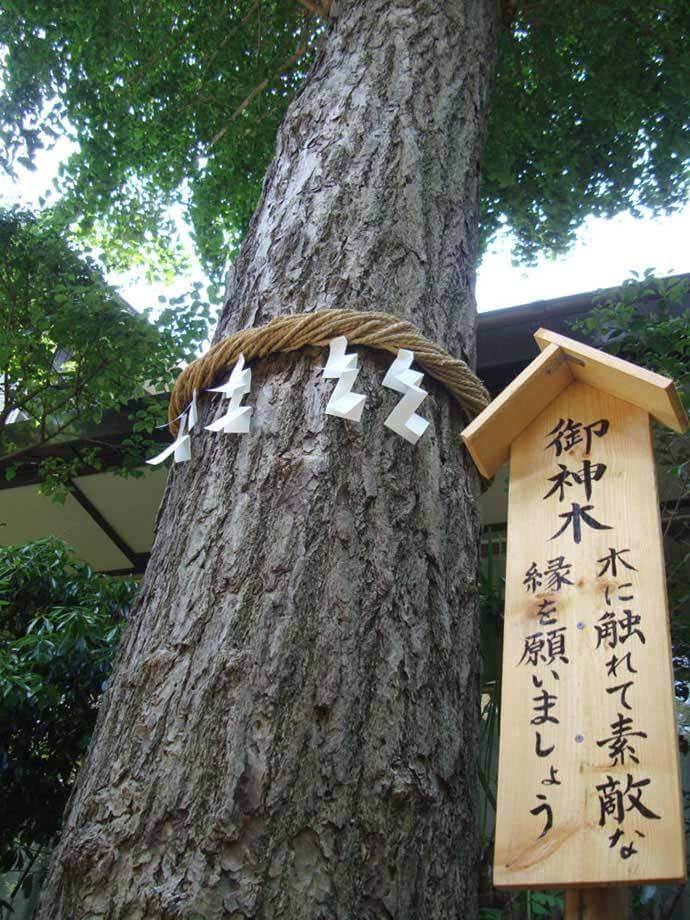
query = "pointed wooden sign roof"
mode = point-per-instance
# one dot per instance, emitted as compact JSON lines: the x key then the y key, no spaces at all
{"x":563,"y":360}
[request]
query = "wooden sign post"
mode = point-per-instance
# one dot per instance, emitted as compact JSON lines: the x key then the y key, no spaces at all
{"x":588,"y":788}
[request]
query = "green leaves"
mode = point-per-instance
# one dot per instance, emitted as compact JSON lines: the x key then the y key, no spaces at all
{"x":59,"y":627}
{"x":148,"y":90}
{"x":587,"y":118}
{"x":72,"y":352}
{"x":588,"y":115}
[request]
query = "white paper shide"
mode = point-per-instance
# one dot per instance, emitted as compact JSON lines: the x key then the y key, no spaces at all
{"x":343,"y":368}
{"x":238,"y":418}
{"x":181,"y":447}
{"x":403,"y":420}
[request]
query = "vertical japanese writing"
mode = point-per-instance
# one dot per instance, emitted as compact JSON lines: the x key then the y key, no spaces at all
{"x":618,"y":629}
{"x":544,"y":653}
{"x":562,"y":438}
{"x":545,"y":650}
{"x":584,"y":552}
{"x":617,"y":635}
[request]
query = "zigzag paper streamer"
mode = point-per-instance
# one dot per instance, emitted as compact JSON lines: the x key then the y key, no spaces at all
{"x":16,"y":415}
{"x":191,"y":409}
{"x":180,"y":447}
{"x":403,"y":420}
{"x":343,"y":403}
{"x":193,"y":412}
{"x":238,"y":418}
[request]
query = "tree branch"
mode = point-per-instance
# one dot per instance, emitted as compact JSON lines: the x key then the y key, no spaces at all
{"x":25,"y":873}
{"x":47,"y":438}
{"x":207,"y":64}
{"x":259,"y":88}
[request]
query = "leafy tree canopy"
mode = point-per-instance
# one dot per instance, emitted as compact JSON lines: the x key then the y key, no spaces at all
{"x":177,"y":102}
{"x":71,"y":350}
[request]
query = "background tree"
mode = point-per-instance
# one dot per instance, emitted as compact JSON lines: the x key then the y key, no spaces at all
{"x":292,"y":728}
{"x":59,"y":627}
{"x":72,"y":350}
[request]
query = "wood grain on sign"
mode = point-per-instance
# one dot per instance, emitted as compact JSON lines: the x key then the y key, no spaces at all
{"x":549,"y":829}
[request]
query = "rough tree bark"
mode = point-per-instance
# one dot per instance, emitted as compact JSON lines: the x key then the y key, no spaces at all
{"x":292,"y":726}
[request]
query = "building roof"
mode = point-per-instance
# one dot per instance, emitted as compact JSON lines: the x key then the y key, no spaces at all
{"x":505,"y":338}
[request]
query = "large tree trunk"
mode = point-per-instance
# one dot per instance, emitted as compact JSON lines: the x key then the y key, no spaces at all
{"x":291,"y":730}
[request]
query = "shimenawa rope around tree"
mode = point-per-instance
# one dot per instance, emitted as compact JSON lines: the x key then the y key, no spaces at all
{"x":289,"y":333}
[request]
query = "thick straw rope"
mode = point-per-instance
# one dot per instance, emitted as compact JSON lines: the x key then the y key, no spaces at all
{"x":288,"y":333}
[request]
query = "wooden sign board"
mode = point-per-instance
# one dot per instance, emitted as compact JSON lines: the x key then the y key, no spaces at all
{"x":589,"y":789}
